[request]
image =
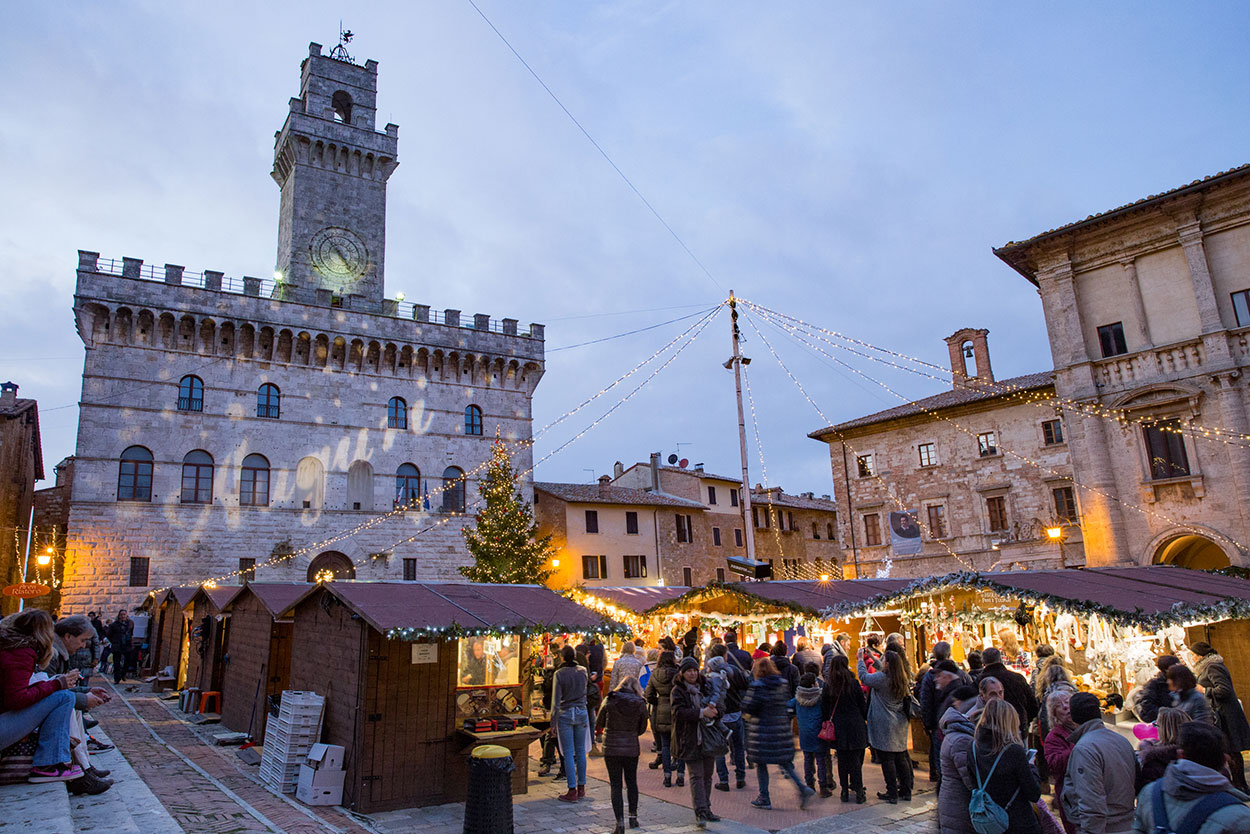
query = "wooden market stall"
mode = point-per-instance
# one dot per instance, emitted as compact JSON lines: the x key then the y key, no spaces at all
{"x":403,"y":665}
{"x":169,"y":627}
{"x":258,"y":660}
{"x":209,"y":634}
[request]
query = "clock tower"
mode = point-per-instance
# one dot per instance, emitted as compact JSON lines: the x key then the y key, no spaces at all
{"x":332,"y":166}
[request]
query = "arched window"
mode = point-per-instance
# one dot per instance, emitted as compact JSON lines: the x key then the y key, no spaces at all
{"x":829,"y":530}
{"x":360,"y":486}
{"x":453,"y":490}
{"x":191,"y":393}
{"x":267,"y":400}
{"x":397,"y":413}
{"x":407,"y":486}
{"x":341,"y":104}
{"x":197,"y":478}
{"x":134,"y":475}
{"x":254,"y":482}
{"x":473,"y":420}
{"x":331,"y":565}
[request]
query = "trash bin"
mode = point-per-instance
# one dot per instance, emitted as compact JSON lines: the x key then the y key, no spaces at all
{"x":488,"y":802}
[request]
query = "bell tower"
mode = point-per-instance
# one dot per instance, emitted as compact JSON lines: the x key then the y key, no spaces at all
{"x":332,"y":166}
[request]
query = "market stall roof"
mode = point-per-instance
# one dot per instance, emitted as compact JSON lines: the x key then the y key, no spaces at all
{"x":638,"y":599}
{"x":277,"y":597}
{"x":810,"y":597}
{"x":218,"y":597}
{"x":411,"y":610}
{"x":183,"y":594}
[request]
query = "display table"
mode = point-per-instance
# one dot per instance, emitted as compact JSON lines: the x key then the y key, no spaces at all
{"x":517,"y":741}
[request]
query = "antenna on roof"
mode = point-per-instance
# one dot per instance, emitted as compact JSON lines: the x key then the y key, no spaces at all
{"x":339,"y":53}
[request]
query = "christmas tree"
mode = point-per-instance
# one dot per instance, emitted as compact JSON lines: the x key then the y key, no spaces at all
{"x":504,"y":542}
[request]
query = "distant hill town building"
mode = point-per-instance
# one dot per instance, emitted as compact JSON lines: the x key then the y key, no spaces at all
{"x":1148,"y":311}
{"x":307,"y":419}
{"x":21,"y":461}
{"x":984,"y":467}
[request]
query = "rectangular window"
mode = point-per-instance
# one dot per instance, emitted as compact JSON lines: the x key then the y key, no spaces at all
{"x":937,"y":521}
{"x":872,"y":530}
{"x":755,"y":516}
{"x":490,"y":661}
{"x":631,"y":523}
{"x":254,"y":487}
{"x":733,"y":497}
{"x":716,"y":536}
{"x":928,"y":454}
{"x":1241,"y":307}
{"x":815,"y":531}
{"x":1166,"y":447}
{"x":866,"y":466}
{"x":197,"y":483}
{"x":996,"y":507}
{"x":635,"y":567}
{"x":711,"y":495}
{"x":594,"y":567}
{"x":720,"y":575}
{"x":410,"y":570}
{"x":738,"y":537}
{"x":247,"y":569}
{"x":687,"y":577}
{"x":1065,"y":503}
{"x":790,"y":519}
{"x":685,"y":529}
{"x":139,"y":571}
{"x":1052,"y":432}
{"x":987,"y":444}
{"x":592,"y":521}
{"x":1111,"y":339}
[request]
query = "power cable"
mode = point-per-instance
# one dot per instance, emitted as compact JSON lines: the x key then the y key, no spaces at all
{"x":630,"y":332}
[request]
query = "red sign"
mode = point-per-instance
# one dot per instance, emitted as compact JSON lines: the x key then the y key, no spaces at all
{"x":26,"y":590}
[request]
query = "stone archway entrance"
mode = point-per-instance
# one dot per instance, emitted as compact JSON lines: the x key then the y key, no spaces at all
{"x":1192,"y":551}
{"x":334,"y":562}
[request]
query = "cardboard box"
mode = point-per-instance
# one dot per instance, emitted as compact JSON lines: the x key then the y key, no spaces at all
{"x":320,"y":778}
{"x":325,"y":757}
{"x":319,"y":795}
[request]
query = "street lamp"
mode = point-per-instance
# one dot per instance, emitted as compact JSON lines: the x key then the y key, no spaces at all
{"x":1055,"y":533}
{"x":44,"y":559}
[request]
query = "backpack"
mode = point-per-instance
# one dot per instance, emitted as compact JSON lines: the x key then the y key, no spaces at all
{"x":1197,"y":815}
{"x":988,"y":817}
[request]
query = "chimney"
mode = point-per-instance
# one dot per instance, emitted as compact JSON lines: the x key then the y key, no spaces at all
{"x":8,"y":394}
{"x":655,"y":471}
{"x":604,"y":483}
{"x":618,"y":469}
{"x":966,"y":344}
{"x":698,"y":467}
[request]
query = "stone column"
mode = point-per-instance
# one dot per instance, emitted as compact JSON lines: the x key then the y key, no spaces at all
{"x":1102,"y":520}
{"x":1139,"y":306}
{"x":1233,"y":417}
{"x":1189,"y":230}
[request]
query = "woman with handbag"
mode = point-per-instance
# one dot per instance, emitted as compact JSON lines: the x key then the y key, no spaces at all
{"x":808,"y":706}
{"x":888,"y":722}
{"x":846,"y":728}
{"x":697,"y":738}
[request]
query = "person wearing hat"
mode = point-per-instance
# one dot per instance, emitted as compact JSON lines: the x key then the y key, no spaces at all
{"x":694,"y":706}
{"x":1099,"y":784}
{"x":1215,"y":681}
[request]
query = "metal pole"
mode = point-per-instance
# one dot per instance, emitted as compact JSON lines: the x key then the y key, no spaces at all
{"x":850,"y":515}
{"x":748,"y":521}
{"x":30,"y":528}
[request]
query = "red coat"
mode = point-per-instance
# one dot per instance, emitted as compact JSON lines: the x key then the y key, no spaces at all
{"x":1057,"y":748}
{"x":16,"y":690}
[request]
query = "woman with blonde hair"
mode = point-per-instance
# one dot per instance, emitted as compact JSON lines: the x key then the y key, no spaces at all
{"x":624,"y":717}
{"x":26,"y":642}
{"x":888,"y":723}
{"x":1155,"y":756}
{"x":1000,"y":765}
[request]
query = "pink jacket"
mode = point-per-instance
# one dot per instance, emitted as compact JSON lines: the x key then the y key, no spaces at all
{"x":16,"y":690}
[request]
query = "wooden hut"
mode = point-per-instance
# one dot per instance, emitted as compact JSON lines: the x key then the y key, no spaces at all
{"x":399,"y":681}
{"x":169,"y":630}
{"x":208,"y":633}
{"x":258,"y":659}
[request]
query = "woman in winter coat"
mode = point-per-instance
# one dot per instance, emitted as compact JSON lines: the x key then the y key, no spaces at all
{"x":659,"y":694}
{"x":844,"y":704}
{"x":622,"y":720}
{"x":1213,"y":676}
{"x":1155,"y":694}
{"x":769,"y":740}
{"x":1155,"y":756}
{"x":1185,"y":695}
{"x":1057,"y":747}
{"x":955,"y":791}
{"x":693,"y":704}
{"x":888,"y":723}
{"x":808,"y":706}
{"x":1000,"y":764}
{"x":25,"y":646}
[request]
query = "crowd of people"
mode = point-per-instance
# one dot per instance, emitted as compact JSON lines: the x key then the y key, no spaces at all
{"x":46,"y":693}
{"x":998,"y":739}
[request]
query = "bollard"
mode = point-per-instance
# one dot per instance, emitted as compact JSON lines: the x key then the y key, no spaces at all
{"x":488,"y":802}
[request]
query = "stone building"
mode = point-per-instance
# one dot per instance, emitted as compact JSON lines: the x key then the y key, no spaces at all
{"x":1148,"y":311}
{"x":796,"y":534}
{"x":985,"y":468}
{"x":286,"y":428}
{"x":51,"y":520}
{"x":21,"y":461}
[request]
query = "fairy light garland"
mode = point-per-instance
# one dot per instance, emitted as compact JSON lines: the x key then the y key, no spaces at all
{"x":759,"y":446}
{"x":456,"y":631}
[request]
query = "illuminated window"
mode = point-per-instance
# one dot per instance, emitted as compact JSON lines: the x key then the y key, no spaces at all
{"x":134,"y":475}
{"x":867,"y":468}
{"x":490,"y":661}
{"x":473,"y":420}
{"x":267,"y":401}
{"x":1166,"y":447}
{"x":397,"y":413}
{"x":407,"y":486}
{"x":254,"y":482}
{"x":453,"y":490}
{"x":191,"y":393}
{"x":197,"y":478}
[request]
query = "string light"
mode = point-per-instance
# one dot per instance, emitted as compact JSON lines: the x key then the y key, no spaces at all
{"x":759,"y":446}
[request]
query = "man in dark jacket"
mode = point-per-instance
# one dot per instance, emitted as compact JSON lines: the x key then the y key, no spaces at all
{"x":1155,"y":694}
{"x":788,"y":671}
{"x":1016,"y":689}
{"x":736,"y":683}
{"x":1192,"y":780}
{"x":1213,"y":677}
{"x":120,"y":635}
{"x":736,"y":656}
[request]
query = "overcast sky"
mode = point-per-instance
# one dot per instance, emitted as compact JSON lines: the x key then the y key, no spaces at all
{"x":849,"y":164}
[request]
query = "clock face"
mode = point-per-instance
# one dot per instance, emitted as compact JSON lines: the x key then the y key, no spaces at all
{"x":337,"y":253}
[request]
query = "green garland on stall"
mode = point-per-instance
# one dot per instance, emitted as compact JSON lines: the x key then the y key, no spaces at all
{"x":714,"y":589}
{"x":965,"y":615}
{"x":455,"y":631}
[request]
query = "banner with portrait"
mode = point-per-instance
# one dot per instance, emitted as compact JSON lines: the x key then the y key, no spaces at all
{"x":905,"y":537}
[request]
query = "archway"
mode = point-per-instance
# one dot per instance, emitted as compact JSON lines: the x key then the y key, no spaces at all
{"x":1192,"y":551}
{"x":334,"y":562}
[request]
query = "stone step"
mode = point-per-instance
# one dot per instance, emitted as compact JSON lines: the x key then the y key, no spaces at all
{"x":43,"y":807}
